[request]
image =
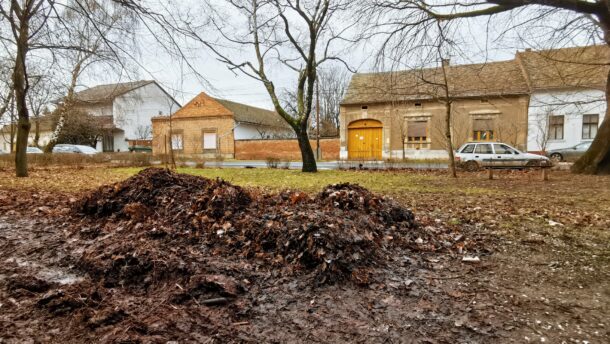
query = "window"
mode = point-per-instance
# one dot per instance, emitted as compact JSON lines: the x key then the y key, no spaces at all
{"x":482,"y":130}
{"x":418,"y":105}
{"x":209,"y":140}
{"x":484,"y":148}
{"x":177,"y":142}
{"x":485,"y":101}
{"x":503,"y":149}
{"x":468,"y":149}
{"x":365,"y":107}
{"x":555,"y":127}
{"x":589,"y":126}
{"x":417,"y":134}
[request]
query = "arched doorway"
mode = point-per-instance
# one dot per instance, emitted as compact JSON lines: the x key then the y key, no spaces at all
{"x":364,"y":139}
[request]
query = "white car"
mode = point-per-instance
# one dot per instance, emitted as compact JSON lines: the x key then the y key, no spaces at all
{"x":79,"y":149}
{"x":34,"y":150}
{"x":474,"y":155}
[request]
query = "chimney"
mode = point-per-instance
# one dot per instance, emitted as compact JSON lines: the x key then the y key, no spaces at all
{"x":528,"y":49}
{"x":446,"y":62}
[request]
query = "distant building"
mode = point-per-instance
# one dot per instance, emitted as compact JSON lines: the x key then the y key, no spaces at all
{"x":538,"y":101}
{"x":384,"y":114}
{"x":567,"y":102}
{"x":209,"y":126}
{"x":128,"y":108}
{"x":45,"y":130}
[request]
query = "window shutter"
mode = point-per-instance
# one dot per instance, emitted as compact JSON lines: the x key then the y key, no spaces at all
{"x":482,"y":125}
{"x":590,"y":119}
{"x":556,"y":120}
{"x":417,"y":129}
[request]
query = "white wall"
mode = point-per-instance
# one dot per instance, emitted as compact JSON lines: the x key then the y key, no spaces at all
{"x":244,"y":131}
{"x":420,"y":154}
{"x":98,"y":109}
{"x":120,"y":143}
{"x":133,"y":111}
{"x":572,"y":105}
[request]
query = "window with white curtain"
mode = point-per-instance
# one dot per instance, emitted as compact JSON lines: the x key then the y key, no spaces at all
{"x":209,"y":140}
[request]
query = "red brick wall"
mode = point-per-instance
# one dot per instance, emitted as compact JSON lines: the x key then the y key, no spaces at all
{"x":282,"y":149}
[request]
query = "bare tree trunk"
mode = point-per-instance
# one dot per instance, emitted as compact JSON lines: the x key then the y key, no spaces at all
{"x":309,"y":159}
{"x":597,"y":159}
{"x":13,"y":134}
{"x":36,"y":131}
{"x":449,"y":140}
{"x":20,"y":84}
{"x":67,"y":106}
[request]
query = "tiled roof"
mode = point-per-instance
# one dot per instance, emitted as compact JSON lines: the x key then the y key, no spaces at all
{"x":474,"y":80}
{"x":203,"y":105}
{"x":106,"y":93}
{"x":253,"y":115}
{"x":567,"y":67}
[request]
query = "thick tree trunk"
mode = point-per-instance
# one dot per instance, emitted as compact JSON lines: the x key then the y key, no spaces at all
{"x":20,"y":83}
{"x":21,"y":162}
{"x":597,"y":159}
{"x":309,"y":159}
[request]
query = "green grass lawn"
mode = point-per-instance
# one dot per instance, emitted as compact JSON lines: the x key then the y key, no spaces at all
{"x":278,"y":179}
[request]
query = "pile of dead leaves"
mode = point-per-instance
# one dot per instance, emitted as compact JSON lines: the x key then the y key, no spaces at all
{"x":146,"y":228}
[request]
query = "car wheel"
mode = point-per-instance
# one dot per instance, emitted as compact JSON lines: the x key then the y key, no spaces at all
{"x":556,"y":157}
{"x":471,"y":166}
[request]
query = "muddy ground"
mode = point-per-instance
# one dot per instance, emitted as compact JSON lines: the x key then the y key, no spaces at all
{"x":542,"y":277}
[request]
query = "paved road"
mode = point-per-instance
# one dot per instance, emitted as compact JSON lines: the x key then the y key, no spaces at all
{"x":326,"y":165}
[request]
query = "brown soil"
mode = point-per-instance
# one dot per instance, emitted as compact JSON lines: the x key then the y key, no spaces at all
{"x":165,"y":257}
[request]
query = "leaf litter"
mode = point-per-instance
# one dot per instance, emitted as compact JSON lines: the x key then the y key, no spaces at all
{"x":176,"y":257}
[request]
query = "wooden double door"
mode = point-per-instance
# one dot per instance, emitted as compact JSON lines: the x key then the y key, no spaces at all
{"x":364,"y":140}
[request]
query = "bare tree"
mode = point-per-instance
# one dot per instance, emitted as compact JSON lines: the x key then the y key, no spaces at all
{"x":541,"y":127}
{"x":43,"y":90}
{"x":430,"y":46}
{"x":333,"y":85}
{"x":40,"y":25}
{"x":560,"y":20}
{"x":103,"y":31}
{"x":143,"y":132}
{"x":297,"y":35}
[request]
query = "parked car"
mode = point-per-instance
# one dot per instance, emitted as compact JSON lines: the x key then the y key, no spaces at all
{"x":78,"y":149}
{"x":29,"y":150}
{"x":474,"y":155}
{"x":34,"y":150}
{"x":140,"y":149}
{"x":570,"y":153}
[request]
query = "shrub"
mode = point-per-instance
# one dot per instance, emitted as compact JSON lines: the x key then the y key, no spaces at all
{"x":272,"y":162}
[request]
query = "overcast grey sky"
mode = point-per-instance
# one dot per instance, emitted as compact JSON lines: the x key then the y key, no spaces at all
{"x":478,"y":43}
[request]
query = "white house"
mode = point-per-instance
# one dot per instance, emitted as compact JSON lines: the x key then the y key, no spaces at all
{"x":567,"y":100}
{"x":128,"y":108}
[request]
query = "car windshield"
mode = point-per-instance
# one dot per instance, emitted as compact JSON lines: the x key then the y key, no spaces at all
{"x":584,"y":146}
{"x":468,"y":148}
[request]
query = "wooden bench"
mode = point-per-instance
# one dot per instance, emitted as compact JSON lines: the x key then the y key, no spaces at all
{"x":543,"y":168}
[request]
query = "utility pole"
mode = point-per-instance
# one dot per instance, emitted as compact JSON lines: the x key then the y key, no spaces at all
{"x":318,"y":151}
